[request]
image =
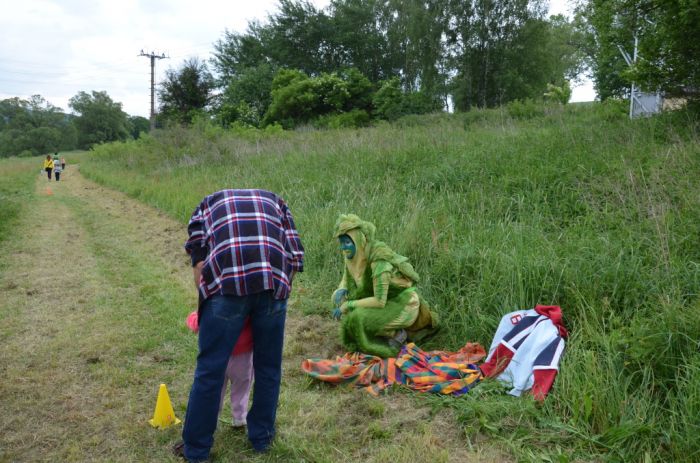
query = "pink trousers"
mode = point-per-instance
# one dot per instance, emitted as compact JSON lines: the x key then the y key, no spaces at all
{"x":239,"y":372}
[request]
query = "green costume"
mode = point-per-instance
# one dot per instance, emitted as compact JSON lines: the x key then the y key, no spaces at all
{"x":377,"y":294}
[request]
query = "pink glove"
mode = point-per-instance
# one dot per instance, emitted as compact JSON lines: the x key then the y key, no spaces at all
{"x":192,"y":322}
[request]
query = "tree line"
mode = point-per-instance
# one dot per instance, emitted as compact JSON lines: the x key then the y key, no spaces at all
{"x":359,"y":60}
{"x":356,"y":61}
{"x":35,"y":126}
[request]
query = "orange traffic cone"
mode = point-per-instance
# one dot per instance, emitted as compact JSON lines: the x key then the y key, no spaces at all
{"x":48,"y":191}
{"x":164,"y":415}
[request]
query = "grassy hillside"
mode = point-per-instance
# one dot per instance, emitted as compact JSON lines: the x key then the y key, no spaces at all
{"x":498,"y":210}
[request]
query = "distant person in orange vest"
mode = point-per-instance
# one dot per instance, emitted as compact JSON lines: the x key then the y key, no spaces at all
{"x":48,"y":166}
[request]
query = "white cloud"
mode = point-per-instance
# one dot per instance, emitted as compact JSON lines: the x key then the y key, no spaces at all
{"x":57,"y":48}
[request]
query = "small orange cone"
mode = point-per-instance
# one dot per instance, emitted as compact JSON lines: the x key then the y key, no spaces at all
{"x":48,"y":191}
{"x":164,"y":415}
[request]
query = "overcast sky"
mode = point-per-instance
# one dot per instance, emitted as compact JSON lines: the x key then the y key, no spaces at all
{"x":57,"y":48}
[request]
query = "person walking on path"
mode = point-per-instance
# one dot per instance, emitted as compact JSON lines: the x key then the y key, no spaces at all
{"x":245,"y":250}
{"x":57,"y":168}
{"x":63,"y":163}
{"x":48,"y":166}
{"x":239,"y":372}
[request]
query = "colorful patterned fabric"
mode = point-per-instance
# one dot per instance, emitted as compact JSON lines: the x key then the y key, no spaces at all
{"x":356,"y":369}
{"x":437,"y":371}
{"x":441,"y":372}
{"x":248,"y":242}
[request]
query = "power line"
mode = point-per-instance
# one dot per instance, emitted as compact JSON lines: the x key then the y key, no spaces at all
{"x":41,"y":65}
{"x":92,"y":73}
{"x":153,"y":58}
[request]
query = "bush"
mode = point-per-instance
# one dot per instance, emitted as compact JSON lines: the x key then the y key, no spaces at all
{"x":420,"y":103}
{"x":612,"y":109}
{"x":351,"y":119}
{"x":293,"y":99}
{"x":297,"y":98}
{"x":360,"y":89}
{"x":557,"y":94}
{"x":388,"y":101}
{"x":524,"y":109}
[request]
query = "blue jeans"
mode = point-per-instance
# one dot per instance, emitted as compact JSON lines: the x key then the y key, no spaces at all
{"x":220,"y":323}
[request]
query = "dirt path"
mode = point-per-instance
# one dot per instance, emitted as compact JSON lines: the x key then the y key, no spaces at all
{"x":93,"y":294}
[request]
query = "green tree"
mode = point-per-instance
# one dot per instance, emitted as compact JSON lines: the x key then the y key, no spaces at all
{"x":300,"y":38}
{"x":388,"y":101}
{"x":391,"y":101}
{"x":668,"y":49}
{"x":502,"y":51}
{"x":607,"y":25}
{"x":358,"y":37}
{"x":186,"y":92}
{"x":359,"y":88}
{"x":246,"y":95}
{"x":138,"y":125}
{"x":99,"y":120}
{"x":380,"y":38}
{"x":483,"y":52}
{"x":34,"y":126}
{"x":293,"y":99}
{"x":557,"y":94}
{"x":298,"y":98}
{"x":236,"y":52}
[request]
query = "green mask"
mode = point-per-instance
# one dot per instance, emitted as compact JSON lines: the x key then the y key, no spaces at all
{"x":347,"y":247}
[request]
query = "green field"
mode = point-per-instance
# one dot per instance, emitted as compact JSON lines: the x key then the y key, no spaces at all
{"x":498,"y":210}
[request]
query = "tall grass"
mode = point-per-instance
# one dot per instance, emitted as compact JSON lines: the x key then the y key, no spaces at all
{"x":574,"y":206}
{"x":17,"y":176}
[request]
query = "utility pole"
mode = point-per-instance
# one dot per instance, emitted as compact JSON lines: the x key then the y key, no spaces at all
{"x":153,"y":57}
{"x":639,"y":99}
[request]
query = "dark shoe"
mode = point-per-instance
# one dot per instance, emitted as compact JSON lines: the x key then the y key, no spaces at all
{"x":179,"y":451}
{"x":261,"y":447}
{"x":399,"y":339}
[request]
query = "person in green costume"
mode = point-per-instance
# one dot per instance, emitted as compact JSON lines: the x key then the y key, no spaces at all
{"x":377,"y":297}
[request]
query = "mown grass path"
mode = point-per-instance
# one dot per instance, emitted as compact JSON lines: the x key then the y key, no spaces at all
{"x":93,"y":297}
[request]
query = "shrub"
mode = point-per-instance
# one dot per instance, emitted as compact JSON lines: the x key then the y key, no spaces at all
{"x":388,"y":101}
{"x":524,"y":109}
{"x":612,"y":109}
{"x":351,"y":119}
{"x":297,"y":98}
{"x":360,"y":90}
{"x":560,"y":94}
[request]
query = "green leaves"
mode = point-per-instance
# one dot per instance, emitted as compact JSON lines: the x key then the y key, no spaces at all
{"x":186,"y":92}
{"x":668,"y":59}
{"x":100,"y":119}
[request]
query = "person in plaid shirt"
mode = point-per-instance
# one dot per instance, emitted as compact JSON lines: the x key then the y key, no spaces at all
{"x":245,"y":250}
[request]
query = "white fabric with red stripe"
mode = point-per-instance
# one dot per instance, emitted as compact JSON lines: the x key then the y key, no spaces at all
{"x":526,"y":350}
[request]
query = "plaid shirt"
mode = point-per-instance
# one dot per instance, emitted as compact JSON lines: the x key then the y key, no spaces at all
{"x":248,"y":242}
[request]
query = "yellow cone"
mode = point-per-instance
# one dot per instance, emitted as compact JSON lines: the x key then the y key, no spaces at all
{"x":164,"y":415}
